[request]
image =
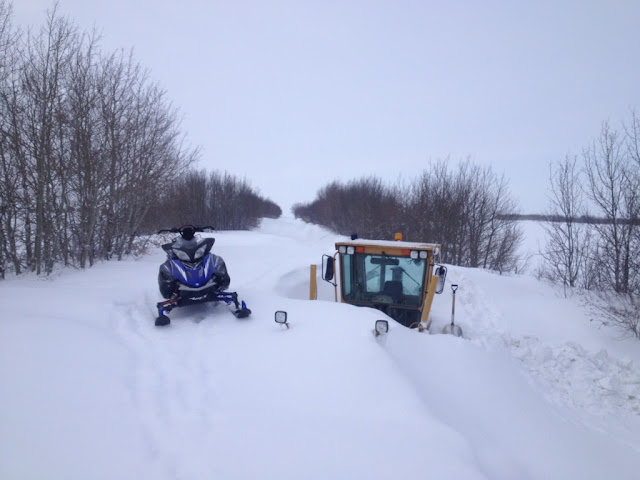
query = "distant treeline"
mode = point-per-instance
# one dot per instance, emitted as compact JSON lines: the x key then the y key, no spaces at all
{"x":218,"y":199}
{"x":589,"y":219}
{"x":467,"y":209}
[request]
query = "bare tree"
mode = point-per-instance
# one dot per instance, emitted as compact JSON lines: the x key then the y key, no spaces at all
{"x":9,"y":175}
{"x":47,"y":60}
{"x":567,"y":247}
{"x":609,"y":188}
{"x":613,"y":172}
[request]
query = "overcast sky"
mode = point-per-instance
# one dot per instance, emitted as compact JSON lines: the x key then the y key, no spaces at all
{"x":293,"y":94}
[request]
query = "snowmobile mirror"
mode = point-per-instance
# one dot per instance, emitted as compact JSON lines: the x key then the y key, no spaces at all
{"x":281,"y":318}
{"x":327,"y":268}
{"x":382,"y":327}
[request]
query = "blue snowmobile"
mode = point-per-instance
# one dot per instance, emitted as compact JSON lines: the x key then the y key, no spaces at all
{"x":192,"y":274}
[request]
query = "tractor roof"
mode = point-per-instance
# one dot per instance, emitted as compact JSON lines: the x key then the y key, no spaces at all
{"x":360,"y":242}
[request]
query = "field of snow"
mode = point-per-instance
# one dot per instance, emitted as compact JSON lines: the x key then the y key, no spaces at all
{"x":91,"y":389}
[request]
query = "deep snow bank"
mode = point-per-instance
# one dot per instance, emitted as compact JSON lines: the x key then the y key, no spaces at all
{"x":91,"y":389}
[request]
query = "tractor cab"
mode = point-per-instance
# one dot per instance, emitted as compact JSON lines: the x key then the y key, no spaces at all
{"x":399,"y":278}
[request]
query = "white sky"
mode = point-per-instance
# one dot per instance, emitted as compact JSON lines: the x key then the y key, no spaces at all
{"x":293,"y":94}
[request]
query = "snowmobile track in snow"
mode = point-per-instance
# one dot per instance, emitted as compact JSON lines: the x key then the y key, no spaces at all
{"x":172,"y":386}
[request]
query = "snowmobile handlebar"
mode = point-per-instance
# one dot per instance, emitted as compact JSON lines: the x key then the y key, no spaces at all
{"x":187,"y":231}
{"x":193,"y":228}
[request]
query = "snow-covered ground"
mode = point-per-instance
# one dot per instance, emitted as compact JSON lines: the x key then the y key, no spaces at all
{"x":90,"y":389}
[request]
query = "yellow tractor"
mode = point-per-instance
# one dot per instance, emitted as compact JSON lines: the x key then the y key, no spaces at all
{"x":396,"y":277}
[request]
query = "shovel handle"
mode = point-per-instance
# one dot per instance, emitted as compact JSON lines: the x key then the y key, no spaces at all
{"x":454,"y":287}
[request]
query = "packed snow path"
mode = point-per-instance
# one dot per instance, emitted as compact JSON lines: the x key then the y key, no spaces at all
{"x":91,"y":389}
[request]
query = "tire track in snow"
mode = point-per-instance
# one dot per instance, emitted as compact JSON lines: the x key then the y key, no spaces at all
{"x":171,"y":388}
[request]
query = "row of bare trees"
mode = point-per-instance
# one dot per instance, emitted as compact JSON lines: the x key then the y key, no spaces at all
{"x":358,"y":206}
{"x":468,"y":209}
{"x":218,"y":199}
{"x":603,"y":256}
{"x":92,"y":154}
{"x":86,"y":141}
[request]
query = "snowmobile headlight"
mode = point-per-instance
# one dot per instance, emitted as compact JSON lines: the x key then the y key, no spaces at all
{"x":181,"y":255}
{"x":200,"y":252}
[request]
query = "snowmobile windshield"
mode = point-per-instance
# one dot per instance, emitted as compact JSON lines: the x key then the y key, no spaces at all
{"x":192,"y":251}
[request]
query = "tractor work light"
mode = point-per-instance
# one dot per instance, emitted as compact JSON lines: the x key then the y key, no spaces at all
{"x":423,"y":254}
{"x":414,"y":254}
{"x":342,"y":249}
{"x":281,"y":318}
{"x":382,"y":327}
{"x":351,"y":250}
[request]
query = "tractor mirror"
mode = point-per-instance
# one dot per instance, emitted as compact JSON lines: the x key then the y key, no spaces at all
{"x":327,"y":268}
{"x":441,"y":272}
{"x":281,"y":318}
{"x":382,"y":327}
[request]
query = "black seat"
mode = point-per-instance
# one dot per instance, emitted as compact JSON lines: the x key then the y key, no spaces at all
{"x":393,"y":288}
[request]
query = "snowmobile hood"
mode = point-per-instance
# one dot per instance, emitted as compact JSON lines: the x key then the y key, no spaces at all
{"x":194,"y":275}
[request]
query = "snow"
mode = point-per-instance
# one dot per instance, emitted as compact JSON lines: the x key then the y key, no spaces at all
{"x":90,"y":389}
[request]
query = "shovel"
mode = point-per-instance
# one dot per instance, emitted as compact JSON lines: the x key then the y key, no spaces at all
{"x":453,"y":329}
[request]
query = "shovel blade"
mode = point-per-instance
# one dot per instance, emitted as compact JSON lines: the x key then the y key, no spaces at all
{"x":452,"y":329}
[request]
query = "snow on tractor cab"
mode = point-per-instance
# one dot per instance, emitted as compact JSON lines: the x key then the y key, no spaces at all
{"x":396,"y":277}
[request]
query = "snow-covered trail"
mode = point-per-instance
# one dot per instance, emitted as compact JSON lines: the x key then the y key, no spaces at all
{"x":221,"y":397}
{"x":94,"y":390}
